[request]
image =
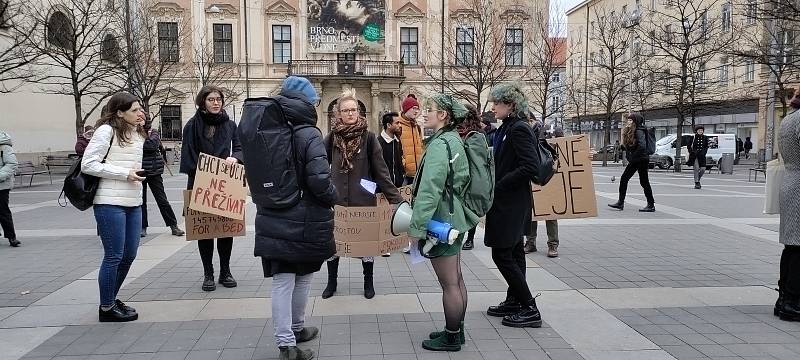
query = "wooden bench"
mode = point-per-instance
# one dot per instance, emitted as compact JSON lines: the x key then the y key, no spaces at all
{"x":52,"y":161}
{"x":761,"y":167}
{"x":26,"y":168}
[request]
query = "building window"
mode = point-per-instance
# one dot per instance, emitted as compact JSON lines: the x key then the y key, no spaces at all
{"x":667,"y":82}
{"x":786,"y":45}
{"x":514,"y":47}
{"x":668,"y":33}
{"x":592,"y":61}
{"x":171,"y":127}
{"x":651,"y":42}
{"x":751,"y":12}
{"x":556,"y":78}
{"x":223,"y":43}
{"x":704,"y":24}
{"x":409,"y":45}
{"x":701,"y":75}
{"x":653,"y":4}
{"x":749,"y":70}
{"x":555,"y":104}
{"x":465,"y":46}
{"x":168,"y":41}
{"x":59,"y":30}
{"x":281,"y":44}
{"x":726,"y":17}
{"x":723,"y":71}
{"x":109,"y":49}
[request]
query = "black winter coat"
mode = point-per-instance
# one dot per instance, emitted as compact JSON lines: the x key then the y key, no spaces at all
{"x":515,"y":165}
{"x":152,"y":155}
{"x":299,"y":239}
{"x":638,"y":152}
{"x":224,"y":144}
{"x":698,"y":149}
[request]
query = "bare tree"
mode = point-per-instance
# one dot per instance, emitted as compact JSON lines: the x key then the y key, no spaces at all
{"x":611,"y":67}
{"x":78,"y":43}
{"x":688,"y":36}
{"x":547,"y":56}
{"x":15,"y":58}
{"x":477,"y":32}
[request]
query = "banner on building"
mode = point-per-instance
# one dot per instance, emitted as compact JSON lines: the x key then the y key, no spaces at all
{"x":219,"y":188}
{"x":570,"y":193}
{"x":346,"y":26}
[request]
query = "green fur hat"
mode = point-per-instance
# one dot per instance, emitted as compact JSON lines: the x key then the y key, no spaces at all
{"x":511,"y":93}
{"x":458,"y":112}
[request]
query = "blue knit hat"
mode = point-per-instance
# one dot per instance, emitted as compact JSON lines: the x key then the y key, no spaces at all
{"x":302,"y":85}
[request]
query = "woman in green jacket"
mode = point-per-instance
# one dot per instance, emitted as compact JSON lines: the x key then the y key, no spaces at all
{"x":440,"y":185}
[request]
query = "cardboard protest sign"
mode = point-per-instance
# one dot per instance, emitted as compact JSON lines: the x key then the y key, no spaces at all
{"x":570,"y":193}
{"x":201,"y":225}
{"x":365,"y":231}
{"x":219,"y":188}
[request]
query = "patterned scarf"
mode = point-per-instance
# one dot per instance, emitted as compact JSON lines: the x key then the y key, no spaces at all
{"x":347,"y":139}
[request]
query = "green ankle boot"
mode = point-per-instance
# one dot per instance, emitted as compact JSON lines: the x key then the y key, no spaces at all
{"x":447,"y":342}
{"x":461,"y":338}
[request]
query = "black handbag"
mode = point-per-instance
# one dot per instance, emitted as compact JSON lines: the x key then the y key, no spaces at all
{"x":80,"y":188}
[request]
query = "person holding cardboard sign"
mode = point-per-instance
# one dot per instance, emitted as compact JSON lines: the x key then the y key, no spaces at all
{"x":113,"y":155}
{"x":210,"y":131}
{"x":441,"y":182}
{"x":356,"y":158}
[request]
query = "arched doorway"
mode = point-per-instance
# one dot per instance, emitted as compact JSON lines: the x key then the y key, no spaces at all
{"x":331,"y":115}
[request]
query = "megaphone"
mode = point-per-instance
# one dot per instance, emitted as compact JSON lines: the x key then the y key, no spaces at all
{"x":401,"y":219}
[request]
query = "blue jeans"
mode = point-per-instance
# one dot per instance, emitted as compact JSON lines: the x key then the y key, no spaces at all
{"x":120,"y":229}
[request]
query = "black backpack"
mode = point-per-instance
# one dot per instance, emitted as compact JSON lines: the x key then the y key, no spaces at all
{"x":650,"y":140}
{"x":546,"y":157}
{"x":80,"y":188}
{"x":269,"y":155}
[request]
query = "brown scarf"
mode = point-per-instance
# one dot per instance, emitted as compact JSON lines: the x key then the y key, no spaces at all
{"x":347,"y":138}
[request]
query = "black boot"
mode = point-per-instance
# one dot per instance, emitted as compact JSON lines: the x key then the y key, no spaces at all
{"x":176,"y":231}
{"x":226,"y":279}
{"x":619,"y":205}
{"x":648,"y":208}
{"x":369,"y":289}
{"x":697,"y":185}
{"x":778,"y":303}
{"x":508,"y":307}
{"x":208,"y":283}
{"x":333,"y":275}
{"x":295,"y":353}
{"x":790,"y":311}
{"x":469,"y":244}
{"x":528,"y":317}
{"x":14,"y":242}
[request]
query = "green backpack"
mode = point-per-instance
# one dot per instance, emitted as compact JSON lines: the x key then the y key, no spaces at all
{"x":480,"y":192}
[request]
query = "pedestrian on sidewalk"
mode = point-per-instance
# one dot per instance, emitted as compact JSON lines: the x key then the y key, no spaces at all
{"x":212,"y":132}
{"x":294,"y":242}
{"x":617,"y":151}
{"x":83,"y":139}
{"x":788,"y":305}
{"x":472,"y":123}
{"x":153,"y":165}
{"x":634,"y":141}
{"x":443,"y":174}
{"x":392,"y":150}
{"x":114,"y":155}
{"x":8,"y":165}
{"x":355,"y":154}
{"x":551,"y":225}
{"x":510,"y":214}
{"x":748,"y":146}
{"x":697,"y":154}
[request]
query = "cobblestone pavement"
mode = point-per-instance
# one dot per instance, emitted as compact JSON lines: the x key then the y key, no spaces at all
{"x":692,"y":281}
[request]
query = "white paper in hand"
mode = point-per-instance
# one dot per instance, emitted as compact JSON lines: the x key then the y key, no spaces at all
{"x":369,"y":186}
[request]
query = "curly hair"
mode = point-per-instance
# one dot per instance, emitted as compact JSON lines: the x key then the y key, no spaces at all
{"x":512,"y":94}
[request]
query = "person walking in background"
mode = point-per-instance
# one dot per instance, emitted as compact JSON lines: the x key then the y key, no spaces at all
{"x":697,"y":154}
{"x":392,"y":149}
{"x":153,"y":165}
{"x":634,"y":141}
{"x":114,"y":155}
{"x":551,"y":225}
{"x":8,"y":165}
{"x":748,"y":146}
{"x":617,"y":151}
{"x":443,"y":178}
{"x":739,"y":147}
{"x":294,"y":242}
{"x":212,"y":132}
{"x":411,"y":139}
{"x":510,"y":214}
{"x":471,"y":123}
{"x":83,"y":139}
{"x":355,"y":155}
{"x":788,"y":305}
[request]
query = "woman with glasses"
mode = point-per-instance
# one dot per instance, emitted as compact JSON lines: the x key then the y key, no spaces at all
{"x":355,"y":154}
{"x":210,"y":131}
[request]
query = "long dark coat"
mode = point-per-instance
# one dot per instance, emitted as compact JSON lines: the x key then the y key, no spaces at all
{"x":515,"y":165}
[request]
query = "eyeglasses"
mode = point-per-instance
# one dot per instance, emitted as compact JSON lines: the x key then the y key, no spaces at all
{"x":214,"y":100}
{"x":348,"y":111}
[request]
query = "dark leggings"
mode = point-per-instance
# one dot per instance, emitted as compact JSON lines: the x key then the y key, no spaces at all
{"x":454,"y":291}
{"x":633,"y":167}
{"x":224,"y":248}
{"x":789,"y":281}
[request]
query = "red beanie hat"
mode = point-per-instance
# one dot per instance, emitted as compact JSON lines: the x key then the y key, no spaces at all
{"x":409,"y":103}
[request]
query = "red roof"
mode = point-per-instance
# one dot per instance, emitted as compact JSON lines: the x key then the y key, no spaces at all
{"x":560,"y":45}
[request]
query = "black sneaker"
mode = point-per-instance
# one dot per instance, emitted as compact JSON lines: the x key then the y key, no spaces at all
{"x":115,"y":314}
{"x":697,"y":185}
{"x":648,"y":208}
{"x":176,"y":231}
{"x":127,"y":309}
{"x":506,"y":308}
{"x":527,"y":317}
{"x":619,"y":205}
{"x":307,"y":334}
{"x":208,"y":283}
{"x":468,"y":245}
{"x":14,"y":242}
{"x":227,"y":280}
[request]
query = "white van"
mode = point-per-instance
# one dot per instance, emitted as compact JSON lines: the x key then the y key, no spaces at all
{"x":718,"y":144}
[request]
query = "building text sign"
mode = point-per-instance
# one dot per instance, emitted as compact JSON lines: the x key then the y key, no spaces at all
{"x":346,"y":26}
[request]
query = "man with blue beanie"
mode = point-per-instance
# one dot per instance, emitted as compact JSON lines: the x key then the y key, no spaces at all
{"x":293,"y":241}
